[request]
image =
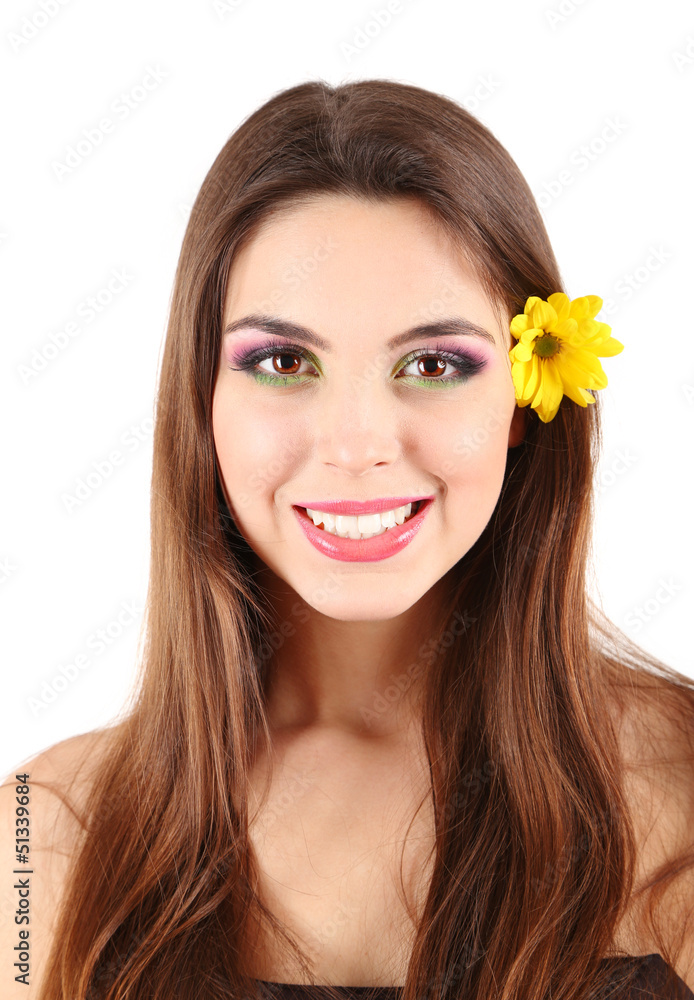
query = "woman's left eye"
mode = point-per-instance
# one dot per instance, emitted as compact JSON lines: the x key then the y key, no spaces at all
{"x":436,"y":366}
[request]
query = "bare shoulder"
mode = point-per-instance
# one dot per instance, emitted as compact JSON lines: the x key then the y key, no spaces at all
{"x":39,"y":833}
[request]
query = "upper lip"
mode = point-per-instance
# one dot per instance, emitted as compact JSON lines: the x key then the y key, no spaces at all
{"x":355,"y":507}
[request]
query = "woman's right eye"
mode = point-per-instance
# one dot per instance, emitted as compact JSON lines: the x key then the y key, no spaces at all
{"x":283,"y":364}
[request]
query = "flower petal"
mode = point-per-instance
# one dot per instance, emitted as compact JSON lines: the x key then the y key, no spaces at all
{"x":546,"y":413}
{"x":609,"y":348}
{"x":530,"y":302}
{"x":561,"y":305}
{"x":590,"y":331}
{"x":530,"y":334}
{"x":542,"y":314}
{"x":552,"y":387}
{"x":522,"y":352}
{"x":565,"y":328}
{"x":578,"y":395}
{"x":571,"y":371}
{"x":534,"y":376}
{"x":582,"y":369}
{"x":520,"y":374}
{"x":595,"y":304}
{"x":586,"y":307}
{"x":519,"y":324}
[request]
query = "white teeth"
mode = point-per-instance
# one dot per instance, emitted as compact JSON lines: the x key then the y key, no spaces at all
{"x":361,"y":526}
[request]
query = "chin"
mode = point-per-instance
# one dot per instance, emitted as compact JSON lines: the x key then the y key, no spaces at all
{"x":333,"y":600}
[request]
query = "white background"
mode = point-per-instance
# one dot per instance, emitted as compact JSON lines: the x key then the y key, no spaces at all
{"x":547,"y":77}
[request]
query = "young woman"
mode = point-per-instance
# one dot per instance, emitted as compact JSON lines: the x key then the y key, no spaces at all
{"x":383,"y":741}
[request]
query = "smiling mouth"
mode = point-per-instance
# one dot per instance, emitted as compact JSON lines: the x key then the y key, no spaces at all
{"x":362,"y":526}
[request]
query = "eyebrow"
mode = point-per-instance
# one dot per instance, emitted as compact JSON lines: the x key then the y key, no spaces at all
{"x":453,"y":326}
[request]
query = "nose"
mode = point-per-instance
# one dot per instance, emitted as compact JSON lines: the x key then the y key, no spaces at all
{"x":357,"y":425}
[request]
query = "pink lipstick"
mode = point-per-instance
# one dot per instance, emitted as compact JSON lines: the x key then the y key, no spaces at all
{"x":392,"y":541}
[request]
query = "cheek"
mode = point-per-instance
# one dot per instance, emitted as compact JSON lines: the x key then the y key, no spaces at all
{"x":254,"y":449}
{"x":470,"y":458}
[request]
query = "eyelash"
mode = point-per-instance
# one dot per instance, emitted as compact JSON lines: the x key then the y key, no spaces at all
{"x":465,"y":366}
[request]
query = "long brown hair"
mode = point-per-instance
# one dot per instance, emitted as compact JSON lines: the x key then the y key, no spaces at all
{"x":534,"y":842}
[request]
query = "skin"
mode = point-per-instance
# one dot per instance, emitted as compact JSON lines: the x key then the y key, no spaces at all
{"x":357,"y":274}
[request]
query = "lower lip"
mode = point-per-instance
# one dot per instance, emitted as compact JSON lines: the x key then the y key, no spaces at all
{"x":363,"y":549}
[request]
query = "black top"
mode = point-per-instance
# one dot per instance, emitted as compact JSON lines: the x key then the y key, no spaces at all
{"x":649,"y":983}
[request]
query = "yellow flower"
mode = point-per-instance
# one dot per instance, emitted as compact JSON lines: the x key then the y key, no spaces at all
{"x":559,"y":343}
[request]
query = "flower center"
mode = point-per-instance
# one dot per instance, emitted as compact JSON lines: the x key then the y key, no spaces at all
{"x":546,"y":346}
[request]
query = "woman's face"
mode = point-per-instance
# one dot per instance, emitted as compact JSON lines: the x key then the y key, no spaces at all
{"x":356,"y":418}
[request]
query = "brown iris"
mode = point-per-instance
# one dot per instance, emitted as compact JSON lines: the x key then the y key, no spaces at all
{"x":439,"y":365}
{"x":283,"y":357}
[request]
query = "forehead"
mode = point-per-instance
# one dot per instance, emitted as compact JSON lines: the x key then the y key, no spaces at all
{"x":348,"y":224}
{"x":388,"y":264}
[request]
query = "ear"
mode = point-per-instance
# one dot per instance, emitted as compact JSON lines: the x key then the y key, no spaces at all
{"x":519,"y":422}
